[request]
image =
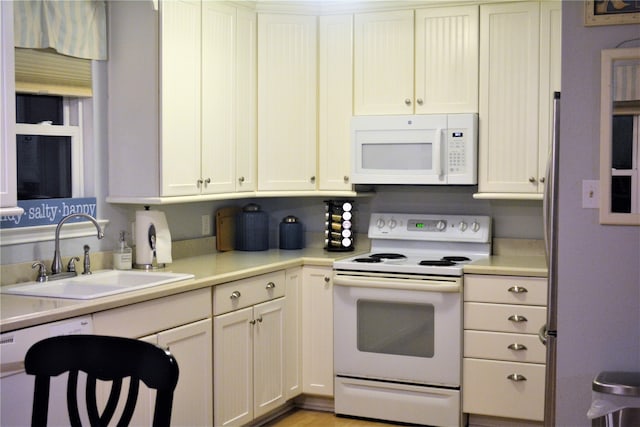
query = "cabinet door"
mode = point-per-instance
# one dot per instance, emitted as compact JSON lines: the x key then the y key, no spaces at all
{"x":317,"y":327}
{"x":335,"y":88}
{"x":191,"y":346}
{"x":286,"y":102}
{"x":246,"y":100}
{"x":509,"y":67}
{"x":383,"y":63}
{"x":180,"y":97}
{"x":447,"y":60}
{"x":550,"y":68}
{"x":218,"y":97}
{"x":293,"y":333}
{"x":268,"y":356}
{"x":8,"y":190}
{"x":233,"y":368}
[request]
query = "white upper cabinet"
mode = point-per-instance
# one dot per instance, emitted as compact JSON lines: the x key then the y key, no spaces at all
{"x":8,"y":182}
{"x":182,"y":99}
{"x":287,"y":102}
{"x":416,"y":62}
{"x":519,"y":70}
{"x":335,"y":101}
{"x":446,"y":40}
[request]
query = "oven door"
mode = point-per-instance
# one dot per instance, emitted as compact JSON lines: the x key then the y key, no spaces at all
{"x":406,"y":330}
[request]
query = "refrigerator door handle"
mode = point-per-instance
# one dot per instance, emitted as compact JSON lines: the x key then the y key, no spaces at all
{"x":542,"y":334}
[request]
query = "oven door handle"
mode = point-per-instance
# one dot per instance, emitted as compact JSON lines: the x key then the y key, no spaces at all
{"x":402,"y":284}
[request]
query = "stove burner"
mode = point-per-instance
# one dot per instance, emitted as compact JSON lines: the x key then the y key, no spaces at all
{"x":367,"y":260}
{"x":387,"y":256}
{"x":455,"y":258}
{"x":438,"y":262}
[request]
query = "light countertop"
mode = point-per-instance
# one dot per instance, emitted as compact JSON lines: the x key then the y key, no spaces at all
{"x":509,"y":265}
{"x":18,"y":312}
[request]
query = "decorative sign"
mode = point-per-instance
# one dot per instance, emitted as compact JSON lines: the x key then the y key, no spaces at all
{"x":611,"y":12}
{"x":49,"y":211}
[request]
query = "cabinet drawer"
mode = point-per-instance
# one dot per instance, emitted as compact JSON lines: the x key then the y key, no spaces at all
{"x":502,"y":346}
{"x":150,"y":317}
{"x":247,"y":292}
{"x":504,"y":317}
{"x":505,"y":289}
{"x":487,"y":389}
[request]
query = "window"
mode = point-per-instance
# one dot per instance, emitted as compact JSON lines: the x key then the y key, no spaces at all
{"x":49,"y":146}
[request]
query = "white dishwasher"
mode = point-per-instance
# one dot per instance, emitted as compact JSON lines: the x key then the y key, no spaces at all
{"x":16,"y":387}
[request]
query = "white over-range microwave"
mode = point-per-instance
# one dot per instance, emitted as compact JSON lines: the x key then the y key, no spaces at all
{"x":440,"y":149}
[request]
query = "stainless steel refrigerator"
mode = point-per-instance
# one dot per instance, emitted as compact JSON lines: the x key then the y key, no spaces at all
{"x":549,"y":332}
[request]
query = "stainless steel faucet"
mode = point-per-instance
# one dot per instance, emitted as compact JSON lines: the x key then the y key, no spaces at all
{"x":56,"y":265}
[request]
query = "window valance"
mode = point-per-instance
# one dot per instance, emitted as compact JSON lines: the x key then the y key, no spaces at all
{"x":75,"y":28}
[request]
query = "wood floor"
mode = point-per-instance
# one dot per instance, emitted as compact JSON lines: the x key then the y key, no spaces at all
{"x":307,"y":418}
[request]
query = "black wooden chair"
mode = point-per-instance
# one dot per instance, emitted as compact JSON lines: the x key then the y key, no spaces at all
{"x":102,"y":358}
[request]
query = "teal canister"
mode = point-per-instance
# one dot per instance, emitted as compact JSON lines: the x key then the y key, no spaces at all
{"x":291,"y":233}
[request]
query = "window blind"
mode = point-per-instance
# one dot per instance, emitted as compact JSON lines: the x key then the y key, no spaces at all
{"x":44,"y":71}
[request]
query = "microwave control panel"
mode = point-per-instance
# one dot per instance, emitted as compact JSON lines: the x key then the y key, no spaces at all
{"x":457,"y":150}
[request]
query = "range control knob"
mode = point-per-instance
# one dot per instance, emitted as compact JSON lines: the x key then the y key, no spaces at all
{"x":463,"y":226}
{"x":441,"y":225}
{"x":380,"y":223}
{"x":393,"y":223}
{"x":475,"y":226}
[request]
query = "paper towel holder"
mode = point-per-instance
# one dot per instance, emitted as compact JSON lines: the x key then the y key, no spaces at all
{"x":151,"y":241}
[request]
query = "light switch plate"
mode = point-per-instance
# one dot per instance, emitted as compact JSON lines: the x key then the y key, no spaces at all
{"x":590,"y":194}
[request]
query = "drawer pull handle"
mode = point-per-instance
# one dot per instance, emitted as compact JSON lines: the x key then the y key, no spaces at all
{"x":518,"y":289}
{"x":270,"y":285}
{"x":516,"y":377}
{"x":517,"y":318}
{"x":517,"y":347}
{"x":235,"y":295}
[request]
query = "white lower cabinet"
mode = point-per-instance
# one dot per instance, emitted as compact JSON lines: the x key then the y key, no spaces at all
{"x":249,"y":348}
{"x":317,"y":324}
{"x":503,"y":369}
{"x":181,"y":323}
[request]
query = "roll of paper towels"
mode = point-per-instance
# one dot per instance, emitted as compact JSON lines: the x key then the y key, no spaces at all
{"x":152,"y":229}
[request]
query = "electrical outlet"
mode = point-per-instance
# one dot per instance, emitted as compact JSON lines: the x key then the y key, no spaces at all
{"x":206,"y":225}
{"x":590,"y":194}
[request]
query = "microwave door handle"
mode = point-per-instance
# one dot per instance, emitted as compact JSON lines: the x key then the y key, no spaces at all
{"x":437,"y":153}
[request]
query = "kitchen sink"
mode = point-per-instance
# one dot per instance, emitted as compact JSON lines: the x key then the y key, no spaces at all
{"x":99,"y":284}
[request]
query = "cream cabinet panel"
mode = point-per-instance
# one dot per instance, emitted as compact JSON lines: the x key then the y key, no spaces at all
{"x":317,"y":324}
{"x":503,"y":389}
{"x":268,"y":356}
{"x":502,"y":346}
{"x":180,"y":90}
{"x":287,"y":102}
{"x":191,"y":345}
{"x":506,"y":289}
{"x":293,"y":333}
{"x":446,"y":60}
{"x":8,"y":172}
{"x":519,"y":69}
{"x":233,"y":368}
{"x":383,"y":63}
{"x":335,"y":100}
{"x":504,"y":317}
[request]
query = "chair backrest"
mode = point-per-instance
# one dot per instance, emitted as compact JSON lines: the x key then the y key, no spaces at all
{"x":102,"y":358}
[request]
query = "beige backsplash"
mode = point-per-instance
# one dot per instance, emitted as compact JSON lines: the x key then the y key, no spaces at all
{"x":518,"y":247}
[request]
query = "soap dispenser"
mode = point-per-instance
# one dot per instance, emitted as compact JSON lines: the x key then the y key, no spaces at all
{"x":122,"y":256}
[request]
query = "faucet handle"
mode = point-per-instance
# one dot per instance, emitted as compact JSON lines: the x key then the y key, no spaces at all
{"x":42,"y":271}
{"x":71,"y":266}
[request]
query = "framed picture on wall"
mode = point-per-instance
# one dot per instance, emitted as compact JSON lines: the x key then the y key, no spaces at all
{"x":611,"y":12}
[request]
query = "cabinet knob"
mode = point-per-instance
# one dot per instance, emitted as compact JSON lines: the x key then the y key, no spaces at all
{"x":326,"y":279}
{"x":312,"y":179}
{"x":241,"y":179}
{"x":516,"y":377}
{"x":200,"y":182}
{"x":517,"y":347}
{"x":346,"y":179}
{"x":517,"y":318}
{"x":518,"y":289}
{"x":419,"y":101}
{"x":207,"y":181}
{"x":235,"y":295}
{"x":532,"y":179}
{"x":407,"y":102}
{"x":270,"y":285}
{"x":542,"y":180}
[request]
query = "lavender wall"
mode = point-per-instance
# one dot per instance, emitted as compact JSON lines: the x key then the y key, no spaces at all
{"x":599,"y":266}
